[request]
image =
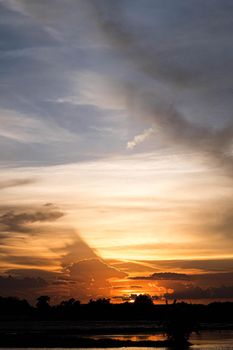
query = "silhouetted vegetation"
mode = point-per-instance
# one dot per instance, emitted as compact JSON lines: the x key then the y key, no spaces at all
{"x":179,"y":325}
{"x":142,"y":308}
{"x":176,"y":320}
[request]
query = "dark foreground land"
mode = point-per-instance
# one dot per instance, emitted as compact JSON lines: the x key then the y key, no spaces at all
{"x":74,"y":325}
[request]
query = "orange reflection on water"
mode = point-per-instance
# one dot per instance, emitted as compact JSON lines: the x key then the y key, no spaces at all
{"x":138,"y":337}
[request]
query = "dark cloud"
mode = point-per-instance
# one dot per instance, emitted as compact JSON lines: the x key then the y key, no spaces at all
{"x":13,"y":286}
{"x":13,"y":221}
{"x":80,"y":272}
{"x":85,"y":279}
{"x":20,"y":273}
{"x":93,"y":270}
{"x":195,"y":292}
{"x":77,"y":250}
{"x":158,"y":276}
{"x":193,"y":286}
{"x":203,"y":278}
{"x":91,"y":278}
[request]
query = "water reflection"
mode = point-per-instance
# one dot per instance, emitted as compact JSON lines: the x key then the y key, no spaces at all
{"x":217,"y":340}
{"x":138,"y":337}
{"x":205,"y":340}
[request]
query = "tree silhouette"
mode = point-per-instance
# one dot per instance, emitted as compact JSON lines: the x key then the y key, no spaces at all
{"x":43,"y":302}
{"x":143,"y":300}
{"x":68,"y":304}
{"x":100,"y":302}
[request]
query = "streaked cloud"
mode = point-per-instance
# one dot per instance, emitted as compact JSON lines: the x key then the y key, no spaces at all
{"x":16,"y":182}
{"x":21,"y":128}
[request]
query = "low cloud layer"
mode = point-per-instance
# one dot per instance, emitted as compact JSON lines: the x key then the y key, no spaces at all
{"x":170,"y":276}
{"x":192,"y":292}
{"x":192,"y":286}
{"x":21,"y":287}
{"x":84,"y":279}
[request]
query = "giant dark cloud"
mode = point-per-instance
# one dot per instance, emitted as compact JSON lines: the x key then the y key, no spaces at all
{"x":85,"y":279}
{"x":92,"y":278}
{"x":77,"y":250}
{"x":93,"y":270}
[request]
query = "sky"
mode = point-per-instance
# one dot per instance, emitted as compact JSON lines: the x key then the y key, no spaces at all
{"x":116,"y":149}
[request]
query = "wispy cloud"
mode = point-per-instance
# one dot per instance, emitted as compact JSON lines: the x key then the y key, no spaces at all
{"x":16,"y":182}
{"x":140,"y":138}
{"x":24,"y":129}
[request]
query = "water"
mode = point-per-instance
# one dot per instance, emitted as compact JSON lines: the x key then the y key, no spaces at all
{"x":215,"y":340}
{"x":206,"y":340}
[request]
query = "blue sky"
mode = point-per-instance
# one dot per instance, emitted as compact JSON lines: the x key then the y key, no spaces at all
{"x":94,"y":74}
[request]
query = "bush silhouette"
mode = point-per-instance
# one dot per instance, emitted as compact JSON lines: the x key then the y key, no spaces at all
{"x":179,"y":326}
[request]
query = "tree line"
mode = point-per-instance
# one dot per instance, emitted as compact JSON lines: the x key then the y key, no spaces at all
{"x":143,"y":308}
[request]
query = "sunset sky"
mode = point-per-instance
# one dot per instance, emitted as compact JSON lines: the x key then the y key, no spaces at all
{"x":116,"y":149}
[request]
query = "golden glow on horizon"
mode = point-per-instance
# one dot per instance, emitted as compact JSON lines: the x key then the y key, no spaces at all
{"x":130,"y":208}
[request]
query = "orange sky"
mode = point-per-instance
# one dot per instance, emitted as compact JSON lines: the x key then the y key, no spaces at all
{"x":148,"y":209}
